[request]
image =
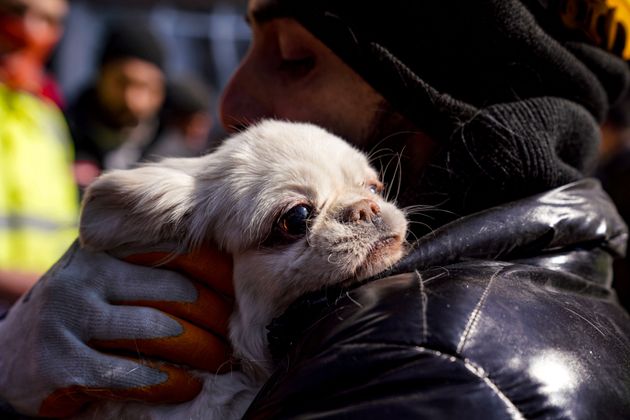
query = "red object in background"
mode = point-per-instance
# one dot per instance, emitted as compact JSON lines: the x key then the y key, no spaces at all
{"x":51,"y":90}
{"x":85,"y":171}
{"x":25,"y":45}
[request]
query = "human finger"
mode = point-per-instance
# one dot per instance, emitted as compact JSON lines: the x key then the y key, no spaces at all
{"x":150,"y":332}
{"x":175,"y":385}
{"x":207,"y":265}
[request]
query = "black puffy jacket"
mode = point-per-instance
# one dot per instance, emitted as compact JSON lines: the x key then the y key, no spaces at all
{"x":507,"y":313}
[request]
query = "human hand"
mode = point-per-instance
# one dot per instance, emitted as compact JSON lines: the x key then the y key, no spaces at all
{"x":50,"y":363}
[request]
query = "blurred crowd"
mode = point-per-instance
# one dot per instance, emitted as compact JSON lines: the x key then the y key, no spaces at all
{"x":137,"y":100}
{"x":68,"y":113}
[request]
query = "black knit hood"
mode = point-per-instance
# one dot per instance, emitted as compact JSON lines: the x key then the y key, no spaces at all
{"x":513,"y":95}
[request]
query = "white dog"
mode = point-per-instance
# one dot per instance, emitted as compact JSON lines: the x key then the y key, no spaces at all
{"x":297,"y":207}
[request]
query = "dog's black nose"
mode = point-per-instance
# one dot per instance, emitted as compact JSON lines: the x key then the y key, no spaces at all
{"x":362,"y":211}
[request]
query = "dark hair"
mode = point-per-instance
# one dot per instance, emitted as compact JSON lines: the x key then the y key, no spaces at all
{"x":188,"y":95}
{"x":126,"y":39}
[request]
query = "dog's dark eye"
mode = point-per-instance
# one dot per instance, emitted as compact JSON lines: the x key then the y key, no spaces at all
{"x":295,"y":221}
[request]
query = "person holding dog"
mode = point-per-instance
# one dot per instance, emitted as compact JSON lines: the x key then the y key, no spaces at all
{"x":502,"y":309}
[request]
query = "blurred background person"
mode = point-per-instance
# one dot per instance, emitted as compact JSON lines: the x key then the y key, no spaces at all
{"x":116,"y":119}
{"x":614,"y":174}
{"x":29,"y":31}
{"x":201,"y":39}
{"x":187,"y":120}
{"x":38,"y":200}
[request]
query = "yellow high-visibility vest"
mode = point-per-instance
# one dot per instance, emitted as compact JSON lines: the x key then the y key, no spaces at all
{"x":38,"y":196}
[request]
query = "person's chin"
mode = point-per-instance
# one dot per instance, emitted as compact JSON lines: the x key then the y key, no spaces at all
{"x":128,"y":121}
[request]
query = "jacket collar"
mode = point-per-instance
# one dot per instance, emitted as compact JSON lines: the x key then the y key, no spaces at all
{"x":544,"y":230}
{"x":576,"y":215}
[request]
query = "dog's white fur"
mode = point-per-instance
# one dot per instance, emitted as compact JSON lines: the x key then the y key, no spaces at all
{"x":236,"y":197}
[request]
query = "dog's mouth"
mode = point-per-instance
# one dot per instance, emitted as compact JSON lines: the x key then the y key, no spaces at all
{"x":385,"y":242}
{"x":381,"y":254}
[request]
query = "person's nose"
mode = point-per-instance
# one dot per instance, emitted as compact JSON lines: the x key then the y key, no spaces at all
{"x":136,"y":99}
{"x":245,"y":99}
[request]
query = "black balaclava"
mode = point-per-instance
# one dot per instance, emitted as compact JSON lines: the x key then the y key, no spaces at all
{"x":512,"y":95}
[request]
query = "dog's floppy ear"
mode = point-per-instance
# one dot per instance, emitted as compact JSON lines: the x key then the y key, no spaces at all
{"x":143,"y":206}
